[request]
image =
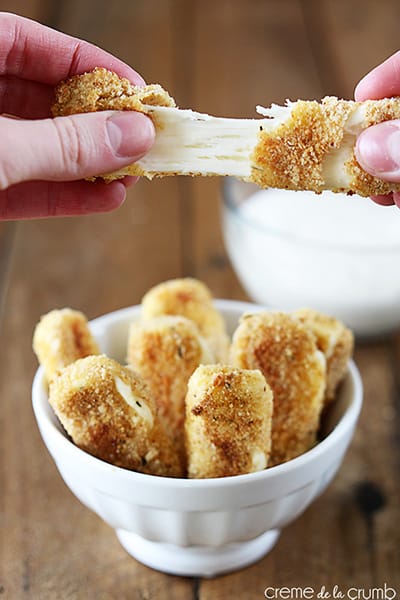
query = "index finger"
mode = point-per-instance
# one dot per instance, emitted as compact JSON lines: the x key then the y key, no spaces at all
{"x":33,"y":51}
{"x":381,"y":82}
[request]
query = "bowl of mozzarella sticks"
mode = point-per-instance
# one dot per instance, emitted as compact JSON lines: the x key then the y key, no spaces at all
{"x":196,"y":428}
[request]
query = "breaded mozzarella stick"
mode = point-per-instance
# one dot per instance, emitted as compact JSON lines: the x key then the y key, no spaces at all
{"x":108,"y":411}
{"x":335,"y":340}
{"x":285,"y":352}
{"x":60,"y":338}
{"x":192,"y":299}
{"x":165,"y":351}
{"x":304,"y":145}
{"x":228,"y":422}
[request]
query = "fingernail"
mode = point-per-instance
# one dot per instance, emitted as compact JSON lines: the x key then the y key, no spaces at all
{"x":378,"y":149}
{"x":131,"y":134}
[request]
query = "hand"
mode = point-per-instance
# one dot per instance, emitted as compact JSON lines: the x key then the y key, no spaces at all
{"x":43,"y":161}
{"x":378,"y":147}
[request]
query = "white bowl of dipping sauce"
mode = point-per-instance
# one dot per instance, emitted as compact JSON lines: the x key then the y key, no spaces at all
{"x":335,"y":253}
{"x":197,"y":526}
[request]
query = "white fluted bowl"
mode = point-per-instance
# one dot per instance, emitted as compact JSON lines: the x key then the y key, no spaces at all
{"x":196,"y":527}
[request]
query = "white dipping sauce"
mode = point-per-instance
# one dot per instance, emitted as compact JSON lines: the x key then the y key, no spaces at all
{"x":335,"y":253}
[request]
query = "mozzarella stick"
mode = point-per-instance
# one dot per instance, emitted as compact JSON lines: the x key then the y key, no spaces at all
{"x":335,"y":340}
{"x":61,"y":337}
{"x":286,"y":353}
{"x":165,"y":351}
{"x":108,"y":411}
{"x":228,"y":422}
{"x":192,"y":299}
{"x":304,"y":145}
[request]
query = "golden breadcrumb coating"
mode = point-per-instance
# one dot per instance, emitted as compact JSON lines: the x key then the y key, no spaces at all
{"x":335,"y":340}
{"x":165,"y":351}
{"x":228,"y":422}
{"x":292,"y":155}
{"x":108,"y":411}
{"x":104,"y":90}
{"x":192,"y":299}
{"x":285,"y":351}
{"x":61,"y":337}
{"x":294,"y":151}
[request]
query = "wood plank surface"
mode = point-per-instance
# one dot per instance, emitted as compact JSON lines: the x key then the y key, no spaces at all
{"x":95,"y":264}
{"x":348,"y":39}
{"x":224,"y":58}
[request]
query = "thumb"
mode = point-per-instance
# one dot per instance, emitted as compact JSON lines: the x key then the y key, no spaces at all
{"x":378,"y":150}
{"x":72,"y":147}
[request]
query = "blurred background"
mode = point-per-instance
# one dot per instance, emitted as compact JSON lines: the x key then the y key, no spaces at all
{"x":222,"y":57}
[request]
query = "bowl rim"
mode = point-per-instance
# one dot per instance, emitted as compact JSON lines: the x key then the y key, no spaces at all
{"x":46,"y":421}
{"x":291,"y":238}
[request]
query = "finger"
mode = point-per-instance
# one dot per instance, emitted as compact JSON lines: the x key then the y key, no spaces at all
{"x":128,"y":181}
{"x":384,"y":200}
{"x":396,"y":199}
{"x":381,"y":82}
{"x":26,"y":47}
{"x":36,"y":199}
{"x":378,"y":150}
{"x":73,"y":147}
{"x":26,"y":99}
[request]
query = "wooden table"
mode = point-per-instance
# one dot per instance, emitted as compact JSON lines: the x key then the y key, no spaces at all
{"x":224,"y":57}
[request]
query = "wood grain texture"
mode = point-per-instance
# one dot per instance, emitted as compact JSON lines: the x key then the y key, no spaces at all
{"x":220,"y":57}
{"x":348,"y":39}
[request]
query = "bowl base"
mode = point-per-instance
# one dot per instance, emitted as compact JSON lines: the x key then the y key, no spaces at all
{"x":197,"y":561}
